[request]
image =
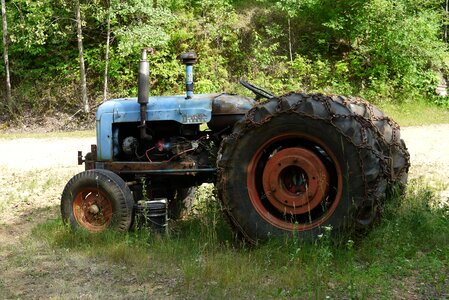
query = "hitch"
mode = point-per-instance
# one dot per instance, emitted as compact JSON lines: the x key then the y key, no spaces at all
{"x":89,"y":159}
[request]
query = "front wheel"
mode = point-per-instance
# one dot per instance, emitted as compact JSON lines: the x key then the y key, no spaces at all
{"x":96,"y":200}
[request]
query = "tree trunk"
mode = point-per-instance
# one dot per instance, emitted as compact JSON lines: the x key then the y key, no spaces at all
{"x":81,"y":54}
{"x":5,"y":56}
{"x":446,"y":9}
{"x":106,"y":65}
{"x":290,"y":40}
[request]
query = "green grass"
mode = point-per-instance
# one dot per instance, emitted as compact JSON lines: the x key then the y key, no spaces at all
{"x":406,"y":255}
{"x":416,"y":113}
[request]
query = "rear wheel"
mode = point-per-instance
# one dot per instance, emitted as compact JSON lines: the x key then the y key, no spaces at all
{"x":96,"y":200}
{"x":302,"y":162}
{"x":289,"y":176}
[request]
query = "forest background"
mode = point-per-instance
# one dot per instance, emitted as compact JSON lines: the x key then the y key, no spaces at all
{"x":383,"y":50}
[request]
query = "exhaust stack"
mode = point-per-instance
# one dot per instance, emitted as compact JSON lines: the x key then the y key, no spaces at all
{"x":189,"y":59}
{"x":143,"y":87}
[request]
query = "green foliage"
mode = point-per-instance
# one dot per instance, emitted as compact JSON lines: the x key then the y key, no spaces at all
{"x":379,"y":49}
{"x":398,"y":46}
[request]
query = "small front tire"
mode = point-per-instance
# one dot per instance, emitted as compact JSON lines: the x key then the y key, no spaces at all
{"x":96,"y":200}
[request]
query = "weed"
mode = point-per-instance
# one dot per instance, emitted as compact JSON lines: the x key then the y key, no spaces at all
{"x":406,"y":255}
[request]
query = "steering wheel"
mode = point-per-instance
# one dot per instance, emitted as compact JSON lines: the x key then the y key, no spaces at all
{"x":259,"y":92}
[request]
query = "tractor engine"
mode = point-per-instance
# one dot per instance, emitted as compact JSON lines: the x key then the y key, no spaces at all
{"x":168,"y":148}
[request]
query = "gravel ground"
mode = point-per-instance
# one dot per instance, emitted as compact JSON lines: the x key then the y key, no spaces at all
{"x":31,"y":154}
{"x":428,"y":145}
{"x":429,"y":155}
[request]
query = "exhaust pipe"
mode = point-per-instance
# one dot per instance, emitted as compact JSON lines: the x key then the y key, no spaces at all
{"x":143,"y":87}
{"x":189,"y":59}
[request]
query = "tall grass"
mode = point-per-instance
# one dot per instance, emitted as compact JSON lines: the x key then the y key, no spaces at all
{"x":405,"y":255}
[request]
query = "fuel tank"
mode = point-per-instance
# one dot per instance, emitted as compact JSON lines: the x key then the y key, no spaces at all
{"x":228,"y":109}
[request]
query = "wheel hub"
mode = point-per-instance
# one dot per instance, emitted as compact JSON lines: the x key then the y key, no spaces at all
{"x":295,"y":180}
{"x":92,"y":210}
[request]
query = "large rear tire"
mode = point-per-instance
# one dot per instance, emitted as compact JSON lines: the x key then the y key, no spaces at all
{"x":96,"y":200}
{"x":302,"y":162}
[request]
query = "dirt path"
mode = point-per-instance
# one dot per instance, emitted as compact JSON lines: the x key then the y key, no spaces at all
{"x":32,"y":154}
{"x":429,"y":155}
{"x":33,"y":174}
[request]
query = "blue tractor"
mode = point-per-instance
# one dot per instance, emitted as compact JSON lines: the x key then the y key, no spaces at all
{"x":280,"y":164}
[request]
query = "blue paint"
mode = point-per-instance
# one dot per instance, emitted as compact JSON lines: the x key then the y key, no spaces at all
{"x":115,"y":143}
{"x":189,"y":81}
{"x":104,"y":132}
{"x":197,"y":110}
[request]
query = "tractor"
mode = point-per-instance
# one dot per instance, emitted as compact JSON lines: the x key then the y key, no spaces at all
{"x":295,"y":163}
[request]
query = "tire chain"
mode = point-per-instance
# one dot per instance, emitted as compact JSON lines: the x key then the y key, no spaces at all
{"x":393,"y":155}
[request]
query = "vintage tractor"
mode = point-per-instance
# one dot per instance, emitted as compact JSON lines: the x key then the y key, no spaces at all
{"x":280,"y":164}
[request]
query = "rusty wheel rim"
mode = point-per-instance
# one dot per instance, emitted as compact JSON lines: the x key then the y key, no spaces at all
{"x":92,"y":209}
{"x":294,"y":181}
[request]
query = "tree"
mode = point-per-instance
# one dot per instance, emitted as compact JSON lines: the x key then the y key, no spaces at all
{"x":291,"y":8}
{"x":5,"y":56}
{"x":79,"y":31}
{"x":446,"y":11}
{"x":374,"y":48}
{"x":106,"y":56}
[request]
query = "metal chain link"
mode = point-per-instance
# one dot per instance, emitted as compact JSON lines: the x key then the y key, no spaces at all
{"x":367,"y":124}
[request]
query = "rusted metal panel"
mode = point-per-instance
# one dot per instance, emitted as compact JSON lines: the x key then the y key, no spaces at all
{"x":172,"y":168}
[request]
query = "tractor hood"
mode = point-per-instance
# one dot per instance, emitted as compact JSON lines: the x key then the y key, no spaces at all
{"x":168,"y":108}
{"x":199,"y":109}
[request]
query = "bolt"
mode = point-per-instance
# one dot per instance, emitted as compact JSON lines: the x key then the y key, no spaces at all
{"x":93,"y":209}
